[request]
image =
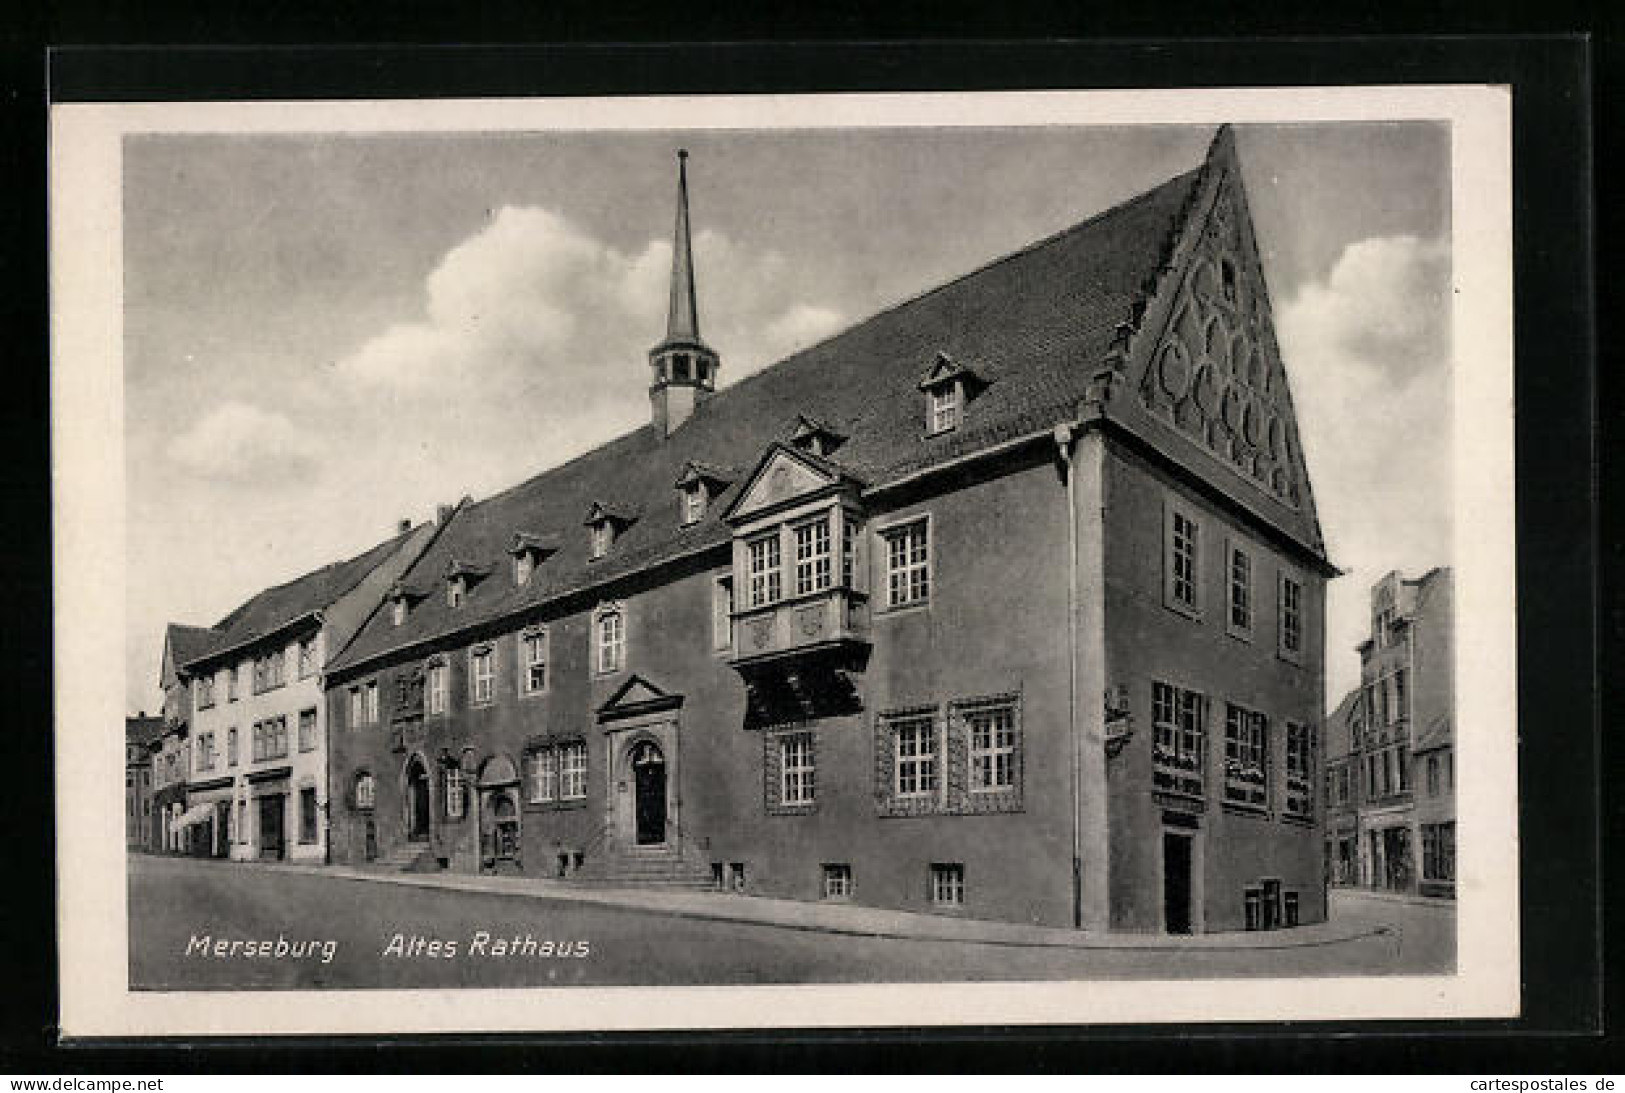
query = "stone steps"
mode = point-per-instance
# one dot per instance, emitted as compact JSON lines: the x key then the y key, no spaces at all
{"x":630,"y":871}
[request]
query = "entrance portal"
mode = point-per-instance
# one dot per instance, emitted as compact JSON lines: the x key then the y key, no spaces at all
{"x":1176,"y":883}
{"x":417,"y":801}
{"x":272,"y":844}
{"x":649,"y":778}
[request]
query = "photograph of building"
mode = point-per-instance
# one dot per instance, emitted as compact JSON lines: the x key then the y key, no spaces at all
{"x":979,"y":608}
{"x":1390,"y":760}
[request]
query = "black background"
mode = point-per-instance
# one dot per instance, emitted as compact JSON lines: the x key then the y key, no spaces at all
{"x":1566,"y":600}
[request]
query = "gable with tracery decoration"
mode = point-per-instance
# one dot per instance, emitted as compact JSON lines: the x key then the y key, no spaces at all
{"x":1216,"y":371}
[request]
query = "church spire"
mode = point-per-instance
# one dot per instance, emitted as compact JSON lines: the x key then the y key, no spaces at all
{"x":683,"y":319}
{"x":684,"y":368}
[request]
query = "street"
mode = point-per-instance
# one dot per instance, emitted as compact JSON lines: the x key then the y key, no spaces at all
{"x":300,"y":931}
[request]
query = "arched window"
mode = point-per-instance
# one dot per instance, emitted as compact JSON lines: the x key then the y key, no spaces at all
{"x":366,"y":791}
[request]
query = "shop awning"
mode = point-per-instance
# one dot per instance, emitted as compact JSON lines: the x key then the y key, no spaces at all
{"x":195,"y":815}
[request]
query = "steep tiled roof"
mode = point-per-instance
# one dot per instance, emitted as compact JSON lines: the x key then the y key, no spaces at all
{"x":1036,"y":323}
{"x":1339,"y":741}
{"x":143,"y":730}
{"x":275,"y":607}
{"x":187,"y":643}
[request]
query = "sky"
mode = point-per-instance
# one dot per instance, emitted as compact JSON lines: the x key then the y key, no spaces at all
{"x":325,"y":334}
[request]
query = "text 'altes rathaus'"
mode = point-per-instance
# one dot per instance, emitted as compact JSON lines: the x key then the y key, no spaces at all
{"x":1006,"y":602}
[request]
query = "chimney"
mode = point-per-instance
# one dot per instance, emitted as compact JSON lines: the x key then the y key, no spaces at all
{"x":442,"y":513}
{"x":684,"y":368}
{"x":403,"y":526}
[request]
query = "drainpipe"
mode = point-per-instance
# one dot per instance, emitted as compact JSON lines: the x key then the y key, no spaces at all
{"x":1063,"y":448}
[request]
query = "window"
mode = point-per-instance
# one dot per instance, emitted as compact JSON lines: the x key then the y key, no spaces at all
{"x":1300,"y":766}
{"x":397,"y":610}
{"x":812,"y":556}
{"x":307,"y":814}
{"x":205,"y":692}
{"x":366,"y":791}
{"x":573,"y":770}
{"x":1291,"y":616}
{"x":454,"y":592}
{"x":231,"y":747}
{"x":307,"y":658}
{"x":1433,"y":776}
{"x":916,"y":753}
{"x":205,"y":751}
{"x":271,"y":739}
{"x":307,"y":730}
{"x":437,"y":690}
{"x":533,"y":662}
{"x":542,"y":775}
{"x":231,"y":684}
{"x":369,"y":702}
{"x":944,"y":407}
{"x":1182,"y":561}
{"x":693,"y":503}
{"x":992,"y":748}
{"x":1402,"y":706}
{"x":837,"y":880}
{"x":482,"y":674}
{"x":456,"y":793}
{"x":522,"y":565}
{"x":797,"y":784}
{"x":611,"y":642}
{"x":762,"y":561}
{"x":1439,"y":851}
{"x":908,"y":577}
{"x":358,"y":708}
{"x":1241,"y":592}
{"x":722,"y":606}
{"x":1246,"y":756}
{"x":948,"y":884}
{"x":602,"y":533}
{"x":1382,"y":627}
{"x":1178,"y":739}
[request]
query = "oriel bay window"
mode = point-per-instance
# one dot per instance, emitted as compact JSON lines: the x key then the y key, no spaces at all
{"x":813,"y":573}
{"x":762,"y":569}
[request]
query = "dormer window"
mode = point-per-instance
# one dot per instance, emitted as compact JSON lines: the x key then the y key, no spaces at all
{"x":461,"y":576}
{"x":606,"y":524}
{"x":400,"y":597}
{"x":948,"y":386}
{"x":397,"y":611}
{"x":699,"y":483}
{"x":528,"y":552}
{"x":456,"y":590}
{"x":812,"y":435}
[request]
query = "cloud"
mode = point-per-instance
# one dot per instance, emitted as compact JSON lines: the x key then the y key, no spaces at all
{"x":239,"y":443}
{"x":532,"y":299}
{"x":1368,"y":353}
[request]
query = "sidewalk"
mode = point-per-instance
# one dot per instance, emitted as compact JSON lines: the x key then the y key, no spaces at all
{"x":847,"y":919}
{"x":1385,"y":896}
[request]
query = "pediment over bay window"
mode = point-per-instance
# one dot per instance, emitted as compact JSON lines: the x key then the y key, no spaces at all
{"x":529,"y":551}
{"x":606,"y":521}
{"x":811,"y":435}
{"x":949,"y":385}
{"x":698,"y":485}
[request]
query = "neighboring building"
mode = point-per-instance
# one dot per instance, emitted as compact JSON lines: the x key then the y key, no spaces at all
{"x":171,"y":751}
{"x":139,"y":733}
{"x":257,"y":741}
{"x":1006,"y":602}
{"x":1397,"y":748}
{"x":1343,"y":792}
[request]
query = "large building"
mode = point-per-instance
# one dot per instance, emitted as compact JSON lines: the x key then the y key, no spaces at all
{"x":1006,"y":602}
{"x":1390,"y":760}
{"x":254,"y":747}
